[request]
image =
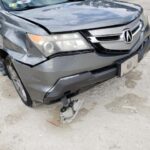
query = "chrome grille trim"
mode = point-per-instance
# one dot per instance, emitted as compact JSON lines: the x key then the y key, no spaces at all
{"x":113,"y":38}
{"x":137,"y":29}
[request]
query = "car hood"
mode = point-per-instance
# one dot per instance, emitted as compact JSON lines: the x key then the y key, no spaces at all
{"x":81,"y":15}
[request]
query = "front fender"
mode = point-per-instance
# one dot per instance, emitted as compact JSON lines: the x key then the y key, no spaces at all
{"x":14,"y":39}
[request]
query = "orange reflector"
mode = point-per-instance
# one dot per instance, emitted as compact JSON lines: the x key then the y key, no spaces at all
{"x":35,"y":38}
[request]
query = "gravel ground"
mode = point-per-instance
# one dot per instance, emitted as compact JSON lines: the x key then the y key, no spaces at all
{"x":116,"y":116}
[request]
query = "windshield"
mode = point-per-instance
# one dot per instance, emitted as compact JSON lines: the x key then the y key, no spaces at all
{"x":28,"y":4}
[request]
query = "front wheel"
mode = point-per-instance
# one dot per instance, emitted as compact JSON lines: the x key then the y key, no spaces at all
{"x":13,"y":75}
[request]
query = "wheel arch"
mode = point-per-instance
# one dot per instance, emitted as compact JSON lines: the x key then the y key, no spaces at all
{"x":3,"y":54}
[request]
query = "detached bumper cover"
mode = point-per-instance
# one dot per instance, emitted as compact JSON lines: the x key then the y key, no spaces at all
{"x":73,"y":83}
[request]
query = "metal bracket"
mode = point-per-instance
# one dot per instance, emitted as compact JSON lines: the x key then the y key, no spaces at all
{"x":70,"y":109}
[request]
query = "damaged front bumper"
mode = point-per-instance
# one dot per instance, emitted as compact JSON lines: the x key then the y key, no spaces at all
{"x":72,"y":83}
{"x":51,"y":80}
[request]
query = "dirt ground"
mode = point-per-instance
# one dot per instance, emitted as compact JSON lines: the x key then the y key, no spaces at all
{"x":115,"y":116}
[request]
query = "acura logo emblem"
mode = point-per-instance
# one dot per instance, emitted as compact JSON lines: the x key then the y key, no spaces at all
{"x":128,"y":37}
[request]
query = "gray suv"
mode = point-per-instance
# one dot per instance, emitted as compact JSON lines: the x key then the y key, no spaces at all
{"x":53,"y":49}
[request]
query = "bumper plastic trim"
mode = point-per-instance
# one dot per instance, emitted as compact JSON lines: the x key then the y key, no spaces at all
{"x":73,"y":83}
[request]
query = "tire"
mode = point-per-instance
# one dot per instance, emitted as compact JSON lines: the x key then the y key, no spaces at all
{"x":13,"y":75}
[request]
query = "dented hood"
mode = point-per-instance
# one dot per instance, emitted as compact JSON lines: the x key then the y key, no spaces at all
{"x":81,"y":15}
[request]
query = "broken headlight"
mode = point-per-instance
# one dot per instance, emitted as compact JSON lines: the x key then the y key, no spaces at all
{"x":52,"y":44}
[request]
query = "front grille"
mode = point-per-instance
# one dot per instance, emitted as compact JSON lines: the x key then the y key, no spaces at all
{"x":110,"y":52}
{"x":112,"y":40}
{"x":136,"y":29}
{"x":108,"y":38}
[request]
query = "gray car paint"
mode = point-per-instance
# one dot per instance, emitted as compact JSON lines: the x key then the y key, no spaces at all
{"x":40,"y":79}
{"x":59,"y":18}
{"x":82,"y":15}
{"x":37,"y":73}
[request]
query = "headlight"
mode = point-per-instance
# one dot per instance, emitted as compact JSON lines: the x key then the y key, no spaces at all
{"x":51,"y":44}
{"x":144,"y":20}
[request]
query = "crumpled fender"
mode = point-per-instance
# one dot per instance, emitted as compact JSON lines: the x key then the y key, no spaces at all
{"x":14,"y":40}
